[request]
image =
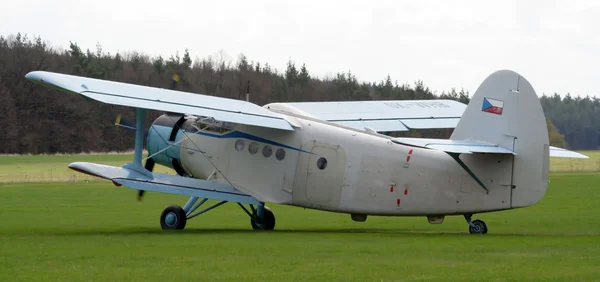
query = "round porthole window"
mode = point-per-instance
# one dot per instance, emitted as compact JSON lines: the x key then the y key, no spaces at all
{"x":322,"y":163}
{"x":267,"y":151}
{"x":253,"y":148}
{"x":239,"y":144}
{"x":280,"y":154}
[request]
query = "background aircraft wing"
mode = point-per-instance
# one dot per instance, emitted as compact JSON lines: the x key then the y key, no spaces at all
{"x":564,"y":153}
{"x":384,"y":115}
{"x":117,"y":93}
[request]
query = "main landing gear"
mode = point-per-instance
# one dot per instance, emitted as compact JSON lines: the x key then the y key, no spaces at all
{"x":175,"y":217}
{"x":476,"y":226}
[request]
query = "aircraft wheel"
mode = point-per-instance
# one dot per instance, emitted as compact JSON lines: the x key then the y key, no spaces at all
{"x":267,"y":223}
{"x":173,"y":217}
{"x":479,"y":228}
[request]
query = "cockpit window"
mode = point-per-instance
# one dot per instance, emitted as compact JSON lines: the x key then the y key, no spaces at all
{"x":211,"y":125}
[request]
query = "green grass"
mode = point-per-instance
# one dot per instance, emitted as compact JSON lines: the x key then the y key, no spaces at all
{"x":53,"y":168}
{"x":579,"y":165}
{"x":98,"y":232}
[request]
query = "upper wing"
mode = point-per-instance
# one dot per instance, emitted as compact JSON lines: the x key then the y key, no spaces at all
{"x":138,"y":96}
{"x":472,"y":146}
{"x":387,"y":115}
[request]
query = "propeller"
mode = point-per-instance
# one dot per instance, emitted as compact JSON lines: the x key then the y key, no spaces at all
{"x":125,"y":122}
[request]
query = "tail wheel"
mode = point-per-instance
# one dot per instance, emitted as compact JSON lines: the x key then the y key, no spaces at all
{"x":265,"y":223}
{"x":479,"y":227}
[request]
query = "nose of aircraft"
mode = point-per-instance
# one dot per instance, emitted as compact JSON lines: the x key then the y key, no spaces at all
{"x":163,"y":138}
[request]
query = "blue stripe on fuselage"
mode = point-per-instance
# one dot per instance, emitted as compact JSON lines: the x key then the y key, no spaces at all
{"x":239,"y":134}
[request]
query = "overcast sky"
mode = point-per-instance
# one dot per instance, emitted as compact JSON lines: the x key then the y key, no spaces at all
{"x":554,"y":44}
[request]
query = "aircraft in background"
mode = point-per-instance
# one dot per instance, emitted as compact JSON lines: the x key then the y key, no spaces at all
{"x":331,"y":156}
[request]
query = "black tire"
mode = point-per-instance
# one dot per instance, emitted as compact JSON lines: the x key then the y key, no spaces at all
{"x":267,"y":223}
{"x":173,"y":218}
{"x":480,"y":227}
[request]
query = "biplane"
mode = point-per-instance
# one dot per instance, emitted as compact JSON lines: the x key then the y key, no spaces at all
{"x":332,"y":156}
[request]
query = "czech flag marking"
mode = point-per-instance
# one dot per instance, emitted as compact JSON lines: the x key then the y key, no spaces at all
{"x":492,"y":106}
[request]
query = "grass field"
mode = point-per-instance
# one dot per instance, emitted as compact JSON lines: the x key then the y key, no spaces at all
{"x":58,"y":227}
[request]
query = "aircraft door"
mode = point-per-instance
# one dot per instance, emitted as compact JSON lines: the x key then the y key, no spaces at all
{"x":320,"y":176}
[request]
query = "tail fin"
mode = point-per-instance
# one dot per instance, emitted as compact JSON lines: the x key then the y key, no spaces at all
{"x":506,"y":111}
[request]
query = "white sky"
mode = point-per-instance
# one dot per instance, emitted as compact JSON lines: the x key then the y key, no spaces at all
{"x":553,"y":44}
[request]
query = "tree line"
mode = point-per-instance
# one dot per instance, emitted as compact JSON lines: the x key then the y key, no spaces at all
{"x":41,"y":120}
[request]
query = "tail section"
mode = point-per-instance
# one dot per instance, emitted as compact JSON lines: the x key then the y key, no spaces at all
{"x":506,"y":111}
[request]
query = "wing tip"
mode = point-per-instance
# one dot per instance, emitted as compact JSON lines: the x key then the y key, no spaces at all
{"x":558,"y":152}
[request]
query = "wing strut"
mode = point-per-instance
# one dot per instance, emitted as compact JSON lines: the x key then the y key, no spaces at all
{"x":136,"y":165}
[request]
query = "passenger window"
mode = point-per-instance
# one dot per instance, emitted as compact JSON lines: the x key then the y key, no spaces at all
{"x":253,"y":148}
{"x":267,"y":151}
{"x":280,"y":154}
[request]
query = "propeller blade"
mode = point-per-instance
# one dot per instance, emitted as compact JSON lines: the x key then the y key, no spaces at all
{"x":149,"y":165}
{"x":140,"y":195}
{"x":174,"y":81}
{"x":128,"y":124}
{"x":124,"y":122}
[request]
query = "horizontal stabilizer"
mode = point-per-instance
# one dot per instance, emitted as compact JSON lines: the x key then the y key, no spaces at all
{"x":164,"y":183}
{"x":382,"y":115}
{"x":472,"y":146}
{"x":137,"y":96}
{"x":564,"y":153}
{"x":454,"y":146}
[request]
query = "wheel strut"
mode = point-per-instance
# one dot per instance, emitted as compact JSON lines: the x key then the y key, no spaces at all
{"x":468,"y":219}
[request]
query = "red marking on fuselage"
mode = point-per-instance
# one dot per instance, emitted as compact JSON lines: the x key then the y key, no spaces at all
{"x":407,"y":158}
{"x":405,"y":191}
{"x":410,"y":152}
{"x":398,"y":201}
{"x":391,"y":188}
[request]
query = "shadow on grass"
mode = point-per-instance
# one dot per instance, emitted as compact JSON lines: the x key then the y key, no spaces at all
{"x":248,"y":231}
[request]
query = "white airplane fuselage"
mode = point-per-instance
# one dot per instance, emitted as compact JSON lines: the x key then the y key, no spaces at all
{"x":365,"y":173}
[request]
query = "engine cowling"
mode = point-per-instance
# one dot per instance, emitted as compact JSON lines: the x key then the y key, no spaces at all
{"x":164,"y":132}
